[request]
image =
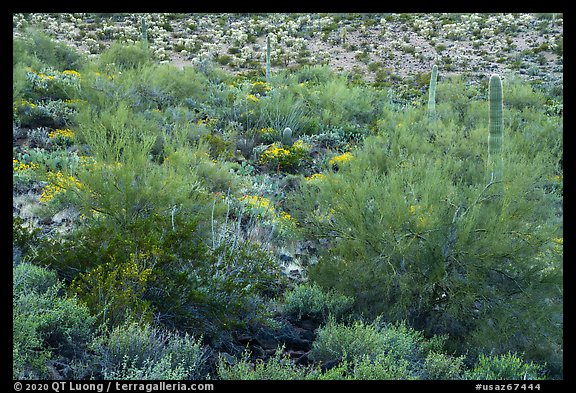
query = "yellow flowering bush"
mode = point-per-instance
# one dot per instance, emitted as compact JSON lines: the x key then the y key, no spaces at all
{"x":340,"y":159}
{"x":252,"y":98}
{"x":315,"y":177}
{"x":58,"y":183}
{"x":260,"y":87}
{"x":62,"y":137}
{"x":264,"y":209}
{"x":65,"y":133}
{"x":260,"y":206}
{"x":286,"y":158}
{"x":19,"y":166}
{"x":115,"y":290}
{"x":52,"y":82}
{"x":23,"y":174}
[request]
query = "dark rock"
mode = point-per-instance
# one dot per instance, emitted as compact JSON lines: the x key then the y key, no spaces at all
{"x":297,"y":343}
{"x":309,"y":324}
{"x":227,"y":358}
{"x":329,"y":364}
{"x":258,"y":351}
{"x":304,"y":359}
{"x":245,"y":339}
{"x":305,"y":334}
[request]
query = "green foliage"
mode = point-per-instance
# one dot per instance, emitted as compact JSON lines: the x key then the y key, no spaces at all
{"x":337,"y":341}
{"x":440,"y":366}
{"x":143,"y":352}
{"x":310,"y":301}
{"x":278,"y":367}
{"x":398,"y":215}
{"x":46,"y":325}
{"x":413,"y":234}
{"x":508,"y":366}
{"x":38,"y":48}
{"x":124,"y":57}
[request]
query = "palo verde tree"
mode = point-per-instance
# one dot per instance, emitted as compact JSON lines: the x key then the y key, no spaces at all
{"x":415,"y":234}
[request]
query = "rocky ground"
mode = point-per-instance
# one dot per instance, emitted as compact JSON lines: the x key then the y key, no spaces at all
{"x":375,"y":47}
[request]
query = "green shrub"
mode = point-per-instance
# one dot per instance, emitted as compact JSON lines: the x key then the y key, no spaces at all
{"x":337,"y":341}
{"x":46,"y":325}
{"x":124,"y":57}
{"x":504,"y":367}
{"x":134,"y":351}
{"x":310,"y":301}
{"x":278,"y":367}
{"x":39,"y":48}
{"x":413,"y":234}
{"x":439,"y":366}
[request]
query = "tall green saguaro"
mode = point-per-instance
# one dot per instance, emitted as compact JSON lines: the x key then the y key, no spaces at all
{"x":432,"y":92}
{"x":268,"y":59}
{"x":496,"y":129}
{"x":144,"y":32}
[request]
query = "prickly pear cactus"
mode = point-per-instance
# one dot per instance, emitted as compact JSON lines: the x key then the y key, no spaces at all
{"x":496,"y":129}
{"x":432,"y":92}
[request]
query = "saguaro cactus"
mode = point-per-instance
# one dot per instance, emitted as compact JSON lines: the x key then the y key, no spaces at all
{"x":268,"y":59}
{"x":432,"y":92}
{"x":144,"y":31}
{"x":496,"y":129}
{"x":287,"y":137}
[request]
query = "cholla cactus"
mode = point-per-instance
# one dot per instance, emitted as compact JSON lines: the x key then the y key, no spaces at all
{"x":287,"y":137}
{"x":432,"y":92}
{"x":496,"y":129}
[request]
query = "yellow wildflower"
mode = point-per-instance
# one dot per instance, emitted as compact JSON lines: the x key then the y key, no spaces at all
{"x":314,"y":177}
{"x":341,"y":159}
{"x":58,"y":183}
{"x":19,"y":166}
{"x":65,"y":133}
{"x":71,"y":73}
{"x":252,"y":98}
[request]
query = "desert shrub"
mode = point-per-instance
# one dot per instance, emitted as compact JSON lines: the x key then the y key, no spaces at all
{"x":39,"y":48}
{"x":281,"y":108}
{"x":508,"y":366}
{"x":124,"y":57}
{"x":340,"y":341}
{"x":142,"y":249}
{"x":46,"y":325}
{"x":310,"y":301}
{"x":415,"y":232}
{"x":278,"y":367}
{"x":160,"y":86}
{"x":285,"y":158}
{"x":440,"y":366}
{"x":520,"y":95}
{"x":135,"y":351}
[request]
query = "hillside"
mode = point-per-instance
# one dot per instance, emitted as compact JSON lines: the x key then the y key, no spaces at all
{"x":384,"y":201}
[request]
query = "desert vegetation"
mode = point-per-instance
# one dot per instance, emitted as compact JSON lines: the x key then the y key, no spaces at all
{"x":287,"y":196}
